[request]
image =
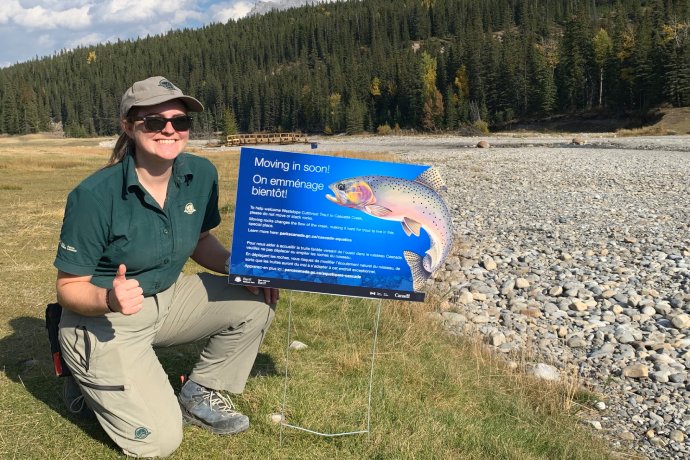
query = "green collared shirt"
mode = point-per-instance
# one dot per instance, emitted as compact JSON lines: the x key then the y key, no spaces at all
{"x":110,"y":219}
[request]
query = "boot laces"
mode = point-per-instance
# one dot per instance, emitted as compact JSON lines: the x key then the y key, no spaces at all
{"x":221,"y":402}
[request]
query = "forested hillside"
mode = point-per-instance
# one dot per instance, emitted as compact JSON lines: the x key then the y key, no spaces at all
{"x":354,"y":65}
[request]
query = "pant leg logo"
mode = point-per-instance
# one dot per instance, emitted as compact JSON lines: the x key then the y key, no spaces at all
{"x":141,"y":433}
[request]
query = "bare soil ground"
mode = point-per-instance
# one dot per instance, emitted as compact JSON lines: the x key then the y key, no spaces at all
{"x":676,"y":120}
{"x":662,"y":121}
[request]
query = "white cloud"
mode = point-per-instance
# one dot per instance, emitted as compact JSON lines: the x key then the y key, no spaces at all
{"x":39,"y":17}
{"x":224,"y":11}
{"x":56,"y":4}
{"x":158,"y":28}
{"x":8,"y":10}
{"x":182,"y":16}
{"x":88,"y":39}
{"x":126,"y":10}
{"x":46,"y":41}
{"x":176,"y":11}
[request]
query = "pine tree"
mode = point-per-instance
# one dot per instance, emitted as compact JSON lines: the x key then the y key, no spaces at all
{"x":354,"y":117}
{"x":229,"y":122}
{"x":677,"y":39}
{"x":544,"y":63}
{"x":10,"y":110}
{"x":573,"y":72}
{"x":29,"y":119}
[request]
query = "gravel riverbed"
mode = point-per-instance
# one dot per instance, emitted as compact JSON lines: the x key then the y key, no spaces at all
{"x":579,"y":252}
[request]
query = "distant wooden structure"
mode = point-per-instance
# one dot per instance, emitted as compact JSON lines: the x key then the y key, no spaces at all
{"x":265,"y":138}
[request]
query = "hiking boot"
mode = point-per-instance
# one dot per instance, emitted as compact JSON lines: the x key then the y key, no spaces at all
{"x":210,"y":409}
{"x":74,"y":399}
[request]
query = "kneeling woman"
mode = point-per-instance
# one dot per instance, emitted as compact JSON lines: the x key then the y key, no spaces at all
{"x":128,"y":231}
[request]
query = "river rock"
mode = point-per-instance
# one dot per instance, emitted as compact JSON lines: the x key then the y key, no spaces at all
{"x":599,"y":244}
{"x":545,"y":372}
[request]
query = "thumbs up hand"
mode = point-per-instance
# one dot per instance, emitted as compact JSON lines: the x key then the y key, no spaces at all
{"x":127,"y":297}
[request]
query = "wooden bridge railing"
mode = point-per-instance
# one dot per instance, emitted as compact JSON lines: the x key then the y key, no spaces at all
{"x":265,"y":138}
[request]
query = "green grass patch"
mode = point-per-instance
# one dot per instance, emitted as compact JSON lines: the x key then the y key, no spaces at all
{"x":433,"y":397}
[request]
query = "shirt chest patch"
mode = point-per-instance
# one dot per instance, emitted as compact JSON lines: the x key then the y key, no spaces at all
{"x":189,"y":209}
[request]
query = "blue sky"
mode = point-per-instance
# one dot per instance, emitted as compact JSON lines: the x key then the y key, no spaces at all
{"x":31,"y":28}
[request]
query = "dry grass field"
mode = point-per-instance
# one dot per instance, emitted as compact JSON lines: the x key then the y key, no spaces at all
{"x":434,"y":397}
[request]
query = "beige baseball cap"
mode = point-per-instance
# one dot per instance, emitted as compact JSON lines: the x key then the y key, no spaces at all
{"x":155,"y":90}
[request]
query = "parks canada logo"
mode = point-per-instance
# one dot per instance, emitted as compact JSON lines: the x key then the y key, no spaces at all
{"x":166,"y":84}
{"x":189,"y":209}
{"x":141,"y":433}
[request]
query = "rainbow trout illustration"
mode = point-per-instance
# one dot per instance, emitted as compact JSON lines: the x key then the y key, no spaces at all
{"x":415,"y":203}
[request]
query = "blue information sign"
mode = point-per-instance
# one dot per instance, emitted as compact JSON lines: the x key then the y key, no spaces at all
{"x":337,"y":225}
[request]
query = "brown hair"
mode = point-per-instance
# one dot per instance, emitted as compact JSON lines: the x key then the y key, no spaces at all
{"x":123,"y":145}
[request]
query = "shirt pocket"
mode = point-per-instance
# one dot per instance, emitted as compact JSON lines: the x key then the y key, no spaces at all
{"x":135,"y":243}
{"x":87,"y":349}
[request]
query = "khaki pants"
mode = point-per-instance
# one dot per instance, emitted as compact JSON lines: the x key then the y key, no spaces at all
{"x":112,"y":356}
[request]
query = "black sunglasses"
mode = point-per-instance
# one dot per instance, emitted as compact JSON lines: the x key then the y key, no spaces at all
{"x":156,"y":123}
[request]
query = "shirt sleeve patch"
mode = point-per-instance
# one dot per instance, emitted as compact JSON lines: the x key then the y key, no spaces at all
{"x":67,"y":247}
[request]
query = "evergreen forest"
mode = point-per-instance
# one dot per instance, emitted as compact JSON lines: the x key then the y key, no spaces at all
{"x":375,"y":65}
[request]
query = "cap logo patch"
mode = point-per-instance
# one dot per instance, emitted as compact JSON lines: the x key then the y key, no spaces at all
{"x":166,"y":84}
